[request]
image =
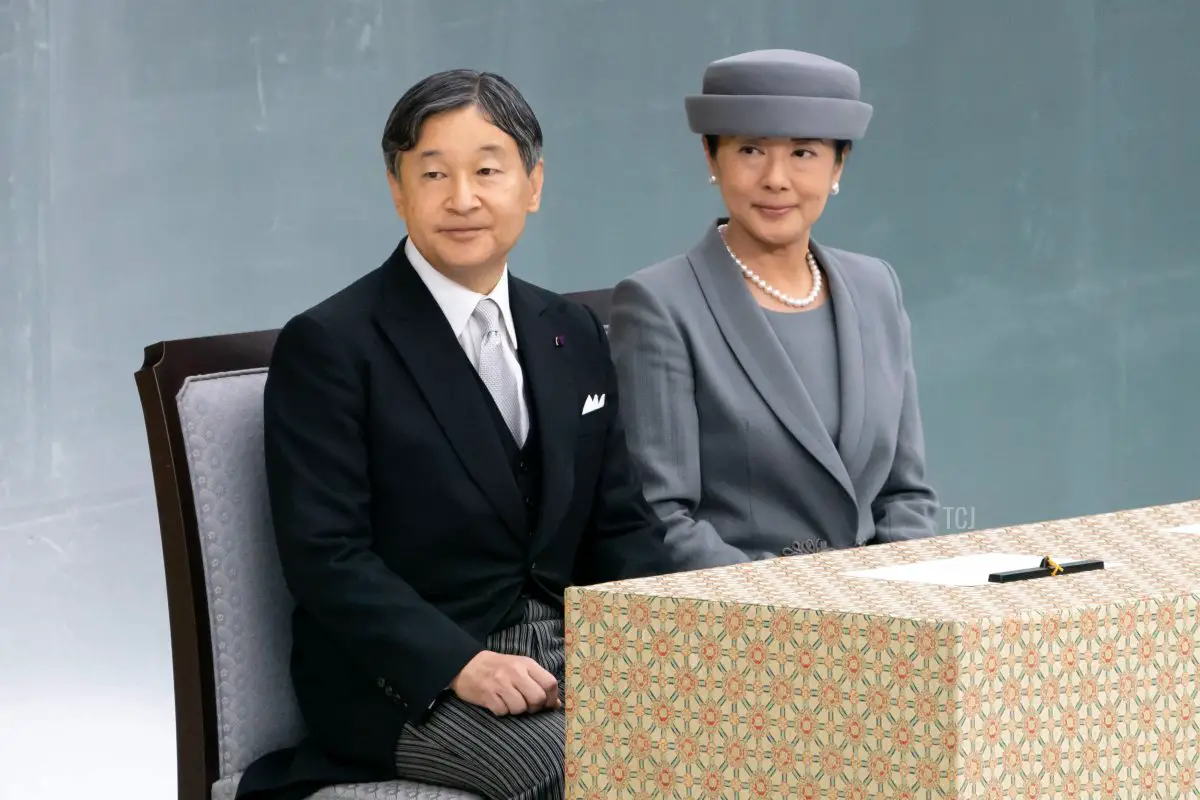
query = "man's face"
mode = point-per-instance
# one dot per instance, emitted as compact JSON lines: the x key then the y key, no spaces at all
{"x":463,"y":194}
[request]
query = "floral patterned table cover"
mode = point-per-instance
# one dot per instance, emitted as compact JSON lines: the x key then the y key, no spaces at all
{"x":788,"y":679}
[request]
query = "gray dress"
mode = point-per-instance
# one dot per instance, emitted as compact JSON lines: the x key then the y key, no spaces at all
{"x":810,"y":340}
{"x":728,"y":409}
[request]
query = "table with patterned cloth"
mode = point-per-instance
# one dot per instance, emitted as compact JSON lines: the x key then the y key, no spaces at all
{"x":791,"y":678}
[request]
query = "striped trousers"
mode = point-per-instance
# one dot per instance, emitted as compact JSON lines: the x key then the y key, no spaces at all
{"x":515,"y":757}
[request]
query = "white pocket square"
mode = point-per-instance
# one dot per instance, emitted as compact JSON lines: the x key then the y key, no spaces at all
{"x":594,"y":402}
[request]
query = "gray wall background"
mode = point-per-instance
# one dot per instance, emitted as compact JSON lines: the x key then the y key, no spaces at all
{"x":172,"y":168}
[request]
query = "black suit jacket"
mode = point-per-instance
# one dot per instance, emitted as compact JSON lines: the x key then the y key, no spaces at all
{"x":402,"y":534}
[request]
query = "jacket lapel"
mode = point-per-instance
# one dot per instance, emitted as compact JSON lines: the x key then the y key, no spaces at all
{"x":555,"y":401}
{"x":413,"y":322}
{"x":850,"y":360}
{"x":756,"y":348}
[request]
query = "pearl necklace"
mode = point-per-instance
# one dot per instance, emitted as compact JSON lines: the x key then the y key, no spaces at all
{"x":756,"y":279}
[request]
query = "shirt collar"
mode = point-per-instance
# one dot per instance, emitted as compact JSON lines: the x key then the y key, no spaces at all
{"x":457,"y":301}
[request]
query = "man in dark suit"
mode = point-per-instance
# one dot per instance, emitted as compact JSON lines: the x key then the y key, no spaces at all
{"x":444,"y":457}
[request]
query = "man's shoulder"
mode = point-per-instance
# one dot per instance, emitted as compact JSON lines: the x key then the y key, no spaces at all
{"x":349,"y":305}
{"x":571,"y":309}
{"x":333,"y":328}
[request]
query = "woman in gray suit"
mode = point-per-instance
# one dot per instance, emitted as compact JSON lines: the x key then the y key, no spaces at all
{"x":767,"y":380}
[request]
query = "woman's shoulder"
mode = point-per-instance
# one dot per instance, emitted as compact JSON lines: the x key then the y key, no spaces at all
{"x":867,"y":275}
{"x":659,"y":276}
{"x":666,"y":287}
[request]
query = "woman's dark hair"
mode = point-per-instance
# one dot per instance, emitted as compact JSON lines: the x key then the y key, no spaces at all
{"x":840,"y":147}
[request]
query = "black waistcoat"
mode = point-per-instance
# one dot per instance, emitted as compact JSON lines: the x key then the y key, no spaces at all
{"x":526,"y":465}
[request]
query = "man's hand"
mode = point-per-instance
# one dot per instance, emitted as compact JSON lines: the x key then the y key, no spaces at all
{"x":506,"y":684}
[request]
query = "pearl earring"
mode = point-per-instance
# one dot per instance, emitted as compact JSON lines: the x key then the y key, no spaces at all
{"x":835,"y":189}
{"x":712,"y":178}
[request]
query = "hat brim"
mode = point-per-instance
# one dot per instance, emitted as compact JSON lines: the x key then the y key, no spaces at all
{"x":773,"y":115}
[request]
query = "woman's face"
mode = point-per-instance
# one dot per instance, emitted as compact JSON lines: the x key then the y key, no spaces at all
{"x":775,"y":188}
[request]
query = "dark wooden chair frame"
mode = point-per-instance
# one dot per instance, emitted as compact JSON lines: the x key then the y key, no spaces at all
{"x":165,"y":368}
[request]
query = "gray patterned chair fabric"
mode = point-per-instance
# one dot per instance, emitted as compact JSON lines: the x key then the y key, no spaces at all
{"x":249,"y":607}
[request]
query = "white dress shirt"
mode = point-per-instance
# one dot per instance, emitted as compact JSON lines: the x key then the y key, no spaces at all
{"x":458,"y":304}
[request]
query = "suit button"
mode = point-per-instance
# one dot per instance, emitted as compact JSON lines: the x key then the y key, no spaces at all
{"x":521,"y":467}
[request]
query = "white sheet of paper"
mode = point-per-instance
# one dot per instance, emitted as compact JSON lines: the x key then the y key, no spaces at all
{"x":1185,"y":529}
{"x":972,"y":570}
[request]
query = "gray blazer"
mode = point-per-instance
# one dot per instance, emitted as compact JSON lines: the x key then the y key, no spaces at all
{"x":730,"y":448}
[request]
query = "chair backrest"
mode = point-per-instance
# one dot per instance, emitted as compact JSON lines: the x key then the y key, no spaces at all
{"x":228,"y":606}
{"x":202,"y":403}
{"x":598,"y":300}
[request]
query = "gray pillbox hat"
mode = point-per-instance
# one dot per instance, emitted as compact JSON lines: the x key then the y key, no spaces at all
{"x":779,"y":93}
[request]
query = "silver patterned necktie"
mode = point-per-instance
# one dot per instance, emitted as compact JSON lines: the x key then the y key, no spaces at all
{"x":494,"y":370}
